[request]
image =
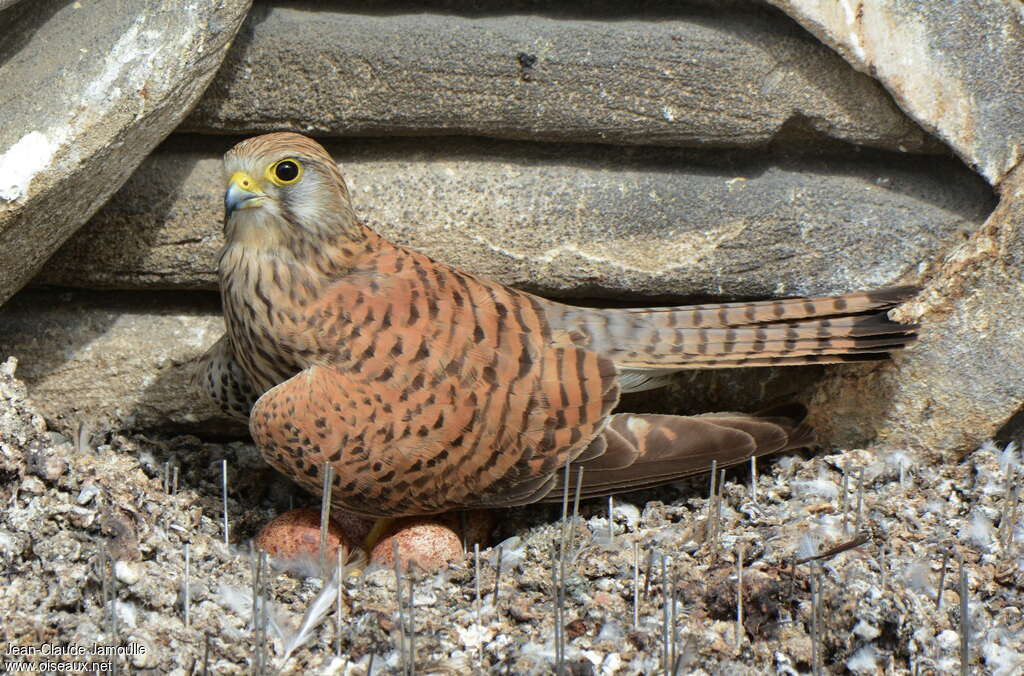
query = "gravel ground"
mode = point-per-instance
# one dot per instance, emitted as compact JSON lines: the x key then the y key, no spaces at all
{"x":92,"y":556}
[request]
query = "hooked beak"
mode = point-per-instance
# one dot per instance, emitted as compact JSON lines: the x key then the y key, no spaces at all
{"x":243,"y":192}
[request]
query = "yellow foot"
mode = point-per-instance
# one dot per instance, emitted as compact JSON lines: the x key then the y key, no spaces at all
{"x":371,"y":540}
{"x":357,"y":563}
{"x":373,"y":537}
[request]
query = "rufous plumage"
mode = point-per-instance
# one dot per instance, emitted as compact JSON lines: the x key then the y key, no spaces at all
{"x":430,"y":389}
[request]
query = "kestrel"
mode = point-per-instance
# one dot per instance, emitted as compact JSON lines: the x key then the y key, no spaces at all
{"x":430,"y":389}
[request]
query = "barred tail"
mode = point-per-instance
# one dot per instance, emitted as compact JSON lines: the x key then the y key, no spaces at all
{"x":852,"y":327}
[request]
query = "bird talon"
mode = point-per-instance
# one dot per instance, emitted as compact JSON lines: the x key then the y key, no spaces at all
{"x":375,"y":534}
{"x":356,"y":563}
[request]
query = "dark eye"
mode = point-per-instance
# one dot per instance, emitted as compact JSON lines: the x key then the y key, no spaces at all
{"x":286,"y":171}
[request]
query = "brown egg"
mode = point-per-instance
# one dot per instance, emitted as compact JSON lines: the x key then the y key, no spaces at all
{"x":424,"y":541}
{"x":296,"y":535}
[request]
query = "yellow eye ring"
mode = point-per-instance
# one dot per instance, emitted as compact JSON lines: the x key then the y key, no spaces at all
{"x":285,"y":172}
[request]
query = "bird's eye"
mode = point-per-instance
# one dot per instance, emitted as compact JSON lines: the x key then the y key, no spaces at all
{"x":285,"y":172}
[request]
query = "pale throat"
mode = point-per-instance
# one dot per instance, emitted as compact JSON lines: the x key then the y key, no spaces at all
{"x":256,"y":229}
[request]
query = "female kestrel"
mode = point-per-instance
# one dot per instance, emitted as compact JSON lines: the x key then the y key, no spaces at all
{"x":429,"y":389}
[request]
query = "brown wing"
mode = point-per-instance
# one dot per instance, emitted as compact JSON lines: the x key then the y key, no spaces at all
{"x":443,"y":394}
{"x":641,"y":450}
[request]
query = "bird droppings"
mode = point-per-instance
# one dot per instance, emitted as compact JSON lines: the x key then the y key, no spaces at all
{"x":22,"y":162}
{"x":816,"y":487}
{"x":864,"y":661}
{"x":877,"y":606}
{"x":128,"y":572}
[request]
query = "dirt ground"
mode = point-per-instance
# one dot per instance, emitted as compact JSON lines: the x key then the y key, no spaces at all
{"x":94,"y":529}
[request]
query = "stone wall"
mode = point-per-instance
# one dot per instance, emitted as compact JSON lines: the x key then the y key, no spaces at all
{"x":659,"y":153}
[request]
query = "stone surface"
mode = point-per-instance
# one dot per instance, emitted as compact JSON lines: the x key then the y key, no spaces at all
{"x":115,"y":358}
{"x":663,"y":75}
{"x":955,"y":67}
{"x":962,"y":382}
{"x":20,"y":426}
{"x":79,"y":118}
{"x":578,"y":220}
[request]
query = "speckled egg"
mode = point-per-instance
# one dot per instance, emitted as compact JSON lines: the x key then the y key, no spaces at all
{"x":296,"y":535}
{"x":424,"y":541}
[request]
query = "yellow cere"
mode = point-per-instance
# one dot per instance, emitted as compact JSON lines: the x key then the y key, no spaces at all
{"x":244,"y":181}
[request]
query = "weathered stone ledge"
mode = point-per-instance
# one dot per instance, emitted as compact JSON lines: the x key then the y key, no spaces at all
{"x":962,"y":382}
{"x":680,"y":76}
{"x":89,"y":89}
{"x":122,"y":359}
{"x":956,"y":68}
{"x":598,"y":221}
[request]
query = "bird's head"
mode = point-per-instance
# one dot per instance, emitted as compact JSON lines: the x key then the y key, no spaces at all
{"x":284,"y":188}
